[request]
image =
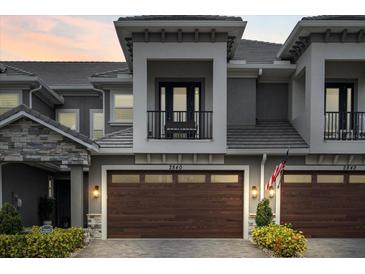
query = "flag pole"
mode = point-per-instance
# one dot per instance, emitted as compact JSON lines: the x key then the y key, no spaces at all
{"x":281,"y":173}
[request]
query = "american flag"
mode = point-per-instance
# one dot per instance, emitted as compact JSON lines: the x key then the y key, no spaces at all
{"x":276,"y":173}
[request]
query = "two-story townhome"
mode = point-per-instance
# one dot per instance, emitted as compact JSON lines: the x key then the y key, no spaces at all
{"x":180,"y":139}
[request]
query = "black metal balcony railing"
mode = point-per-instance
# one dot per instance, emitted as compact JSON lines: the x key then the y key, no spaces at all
{"x":179,"y":124}
{"x":344,"y":126}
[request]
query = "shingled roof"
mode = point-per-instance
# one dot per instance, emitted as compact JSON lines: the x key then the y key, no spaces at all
{"x":257,"y":51}
{"x":265,"y":135}
{"x":180,"y":18}
{"x":118,"y":139}
{"x":335,"y":17}
{"x":66,"y":73}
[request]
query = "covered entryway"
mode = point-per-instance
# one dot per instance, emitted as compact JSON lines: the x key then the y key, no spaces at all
{"x":32,"y":139}
{"x":324,"y":204}
{"x":175,"y":204}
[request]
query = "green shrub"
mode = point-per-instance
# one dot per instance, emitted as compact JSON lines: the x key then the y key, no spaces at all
{"x":10,"y":220}
{"x":281,"y":239}
{"x":263,"y":213}
{"x":58,"y":244}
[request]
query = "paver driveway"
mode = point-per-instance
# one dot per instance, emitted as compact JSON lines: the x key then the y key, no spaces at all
{"x":336,"y":248}
{"x":171,"y":248}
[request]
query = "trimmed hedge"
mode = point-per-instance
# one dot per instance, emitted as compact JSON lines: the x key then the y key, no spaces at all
{"x":282,"y":240}
{"x":58,"y":244}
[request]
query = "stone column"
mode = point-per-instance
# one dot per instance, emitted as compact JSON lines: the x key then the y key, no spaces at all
{"x":77,"y":206}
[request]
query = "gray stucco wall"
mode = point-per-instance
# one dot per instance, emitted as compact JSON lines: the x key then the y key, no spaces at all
{"x":42,"y":107}
{"x":255,"y":169}
{"x":272,"y":101}
{"x":29,"y":183}
{"x":84,"y":104}
{"x":95,"y":176}
{"x":241,"y":101}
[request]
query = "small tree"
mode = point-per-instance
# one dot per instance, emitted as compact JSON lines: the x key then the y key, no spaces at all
{"x":264,"y":213}
{"x":10,"y":220}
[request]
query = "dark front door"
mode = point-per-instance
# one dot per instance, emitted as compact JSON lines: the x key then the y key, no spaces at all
{"x":62,"y":196}
{"x":339,"y":103}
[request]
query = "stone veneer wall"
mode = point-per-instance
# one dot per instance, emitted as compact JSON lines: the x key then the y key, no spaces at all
{"x":94,"y":225}
{"x":28,"y":141}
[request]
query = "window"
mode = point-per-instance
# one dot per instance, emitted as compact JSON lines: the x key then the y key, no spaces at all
{"x":68,"y":118}
{"x":330,"y":179}
{"x":357,"y":179}
{"x":122,"y":108}
{"x":8,"y":101}
{"x":158,"y":178}
{"x":96,"y":123}
{"x":297,"y":178}
{"x":191,"y":178}
{"x":224,"y":178}
{"x":126,"y":178}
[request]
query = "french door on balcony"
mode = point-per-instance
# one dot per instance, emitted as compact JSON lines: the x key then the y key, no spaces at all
{"x":179,"y":105}
{"x":179,"y":99}
{"x":339,"y":113}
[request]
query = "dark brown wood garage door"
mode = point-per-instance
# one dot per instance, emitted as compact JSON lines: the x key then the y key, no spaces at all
{"x":175,"y":204}
{"x":324,"y":204}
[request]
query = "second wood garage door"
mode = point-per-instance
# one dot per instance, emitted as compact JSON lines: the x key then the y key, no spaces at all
{"x":175,"y":204}
{"x":324,"y":204}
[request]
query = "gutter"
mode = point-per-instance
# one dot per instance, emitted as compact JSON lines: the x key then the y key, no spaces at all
{"x":262,"y":176}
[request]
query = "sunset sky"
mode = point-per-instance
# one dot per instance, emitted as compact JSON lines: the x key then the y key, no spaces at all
{"x":93,"y":38}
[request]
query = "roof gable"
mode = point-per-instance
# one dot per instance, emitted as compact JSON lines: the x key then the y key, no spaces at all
{"x":23,"y":111}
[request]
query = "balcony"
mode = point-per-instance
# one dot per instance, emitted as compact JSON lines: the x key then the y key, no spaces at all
{"x":179,"y":124}
{"x":344,"y":126}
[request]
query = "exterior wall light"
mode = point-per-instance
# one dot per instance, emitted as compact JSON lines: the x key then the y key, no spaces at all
{"x":271,"y":192}
{"x":254,"y":192}
{"x":96,"y":192}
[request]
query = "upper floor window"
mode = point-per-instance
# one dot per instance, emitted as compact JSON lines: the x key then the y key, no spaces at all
{"x":8,"y":101}
{"x":122,"y":108}
{"x":96,"y":123}
{"x":69,"y":118}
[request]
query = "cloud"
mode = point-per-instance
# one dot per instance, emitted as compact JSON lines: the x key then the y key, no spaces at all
{"x":63,"y":38}
{"x":93,"y":38}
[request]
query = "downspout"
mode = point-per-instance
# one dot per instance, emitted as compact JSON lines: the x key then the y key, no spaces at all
{"x":262,"y":176}
{"x":103,"y":94}
{"x":31,"y":93}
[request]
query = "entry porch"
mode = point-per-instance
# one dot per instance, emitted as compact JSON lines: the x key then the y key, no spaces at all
{"x":37,"y":154}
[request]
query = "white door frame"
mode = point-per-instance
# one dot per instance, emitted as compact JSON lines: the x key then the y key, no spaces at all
{"x":104,"y":187}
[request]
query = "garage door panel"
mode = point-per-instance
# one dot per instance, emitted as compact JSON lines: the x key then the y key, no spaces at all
{"x":324,"y":209}
{"x":177,"y":210}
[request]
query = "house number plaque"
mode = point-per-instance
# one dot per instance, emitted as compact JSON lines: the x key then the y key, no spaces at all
{"x":349,"y":167}
{"x":175,"y":167}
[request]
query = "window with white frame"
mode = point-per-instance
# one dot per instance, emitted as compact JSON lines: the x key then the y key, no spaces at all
{"x":96,"y":123}
{"x":8,"y":101}
{"x":69,"y":118}
{"x":122,"y":108}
